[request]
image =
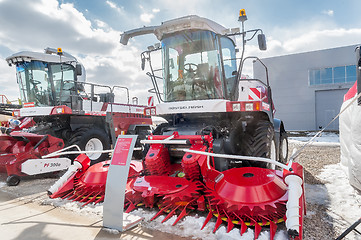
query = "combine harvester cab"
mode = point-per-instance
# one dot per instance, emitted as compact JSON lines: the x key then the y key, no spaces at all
{"x":221,"y":151}
{"x":59,"y":102}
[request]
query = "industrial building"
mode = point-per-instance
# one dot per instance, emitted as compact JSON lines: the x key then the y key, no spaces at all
{"x":308,"y":88}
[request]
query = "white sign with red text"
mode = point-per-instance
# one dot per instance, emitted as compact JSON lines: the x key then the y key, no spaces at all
{"x":39,"y":166}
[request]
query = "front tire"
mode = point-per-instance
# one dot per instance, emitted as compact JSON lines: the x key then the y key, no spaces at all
{"x":92,"y":139}
{"x":283,"y":153}
{"x":258,"y":141}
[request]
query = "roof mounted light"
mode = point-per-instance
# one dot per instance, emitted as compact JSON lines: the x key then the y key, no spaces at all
{"x":242,"y":15}
{"x":59,"y":51}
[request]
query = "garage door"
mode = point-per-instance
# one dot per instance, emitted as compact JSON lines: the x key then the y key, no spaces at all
{"x":328,"y":104}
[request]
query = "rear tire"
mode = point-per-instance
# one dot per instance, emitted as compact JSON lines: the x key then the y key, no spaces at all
{"x":92,"y":139}
{"x":258,"y":141}
{"x":13,"y":180}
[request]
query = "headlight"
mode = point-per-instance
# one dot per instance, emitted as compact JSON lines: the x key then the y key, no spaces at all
{"x":249,"y":106}
{"x":236,"y":107}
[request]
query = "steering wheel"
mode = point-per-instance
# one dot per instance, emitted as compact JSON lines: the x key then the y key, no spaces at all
{"x":35,"y":82}
{"x":190,"y":68}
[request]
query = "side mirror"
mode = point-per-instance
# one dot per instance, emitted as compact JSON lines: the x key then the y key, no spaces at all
{"x":78,"y":70}
{"x":143,"y":63}
{"x":262,"y":45}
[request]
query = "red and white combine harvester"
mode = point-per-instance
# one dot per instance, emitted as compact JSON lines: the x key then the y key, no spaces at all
{"x":221,"y":150}
{"x":58,"y":102}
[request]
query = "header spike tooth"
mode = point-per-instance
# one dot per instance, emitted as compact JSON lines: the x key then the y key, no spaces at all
{"x":100,"y":199}
{"x":87,"y":196}
{"x":273,"y":229}
{"x":170,"y":214}
{"x":67,"y":195}
{"x":243,"y":227}
{"x":130,"y":208}
{"x":160,"y":212}
{"x":257,"y":230}
{"x":230,"y":224}
{"x":92,"y":199}
{"x":218,"y":222}
{"x":209,"y":216}
{"x":181,"y":215}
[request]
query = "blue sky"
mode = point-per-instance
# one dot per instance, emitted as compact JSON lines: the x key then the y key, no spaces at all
{"x":90,"y":30}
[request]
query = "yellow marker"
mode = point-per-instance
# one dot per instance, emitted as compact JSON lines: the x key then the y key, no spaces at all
{"x":242,"y":12}
{"x":59,"y":51}
{"x":242,"y":15}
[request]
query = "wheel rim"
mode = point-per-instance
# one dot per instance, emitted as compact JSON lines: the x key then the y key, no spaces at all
{"x":94,"y":144}
{"x":273,"y":155}
{"x":284,"y":148}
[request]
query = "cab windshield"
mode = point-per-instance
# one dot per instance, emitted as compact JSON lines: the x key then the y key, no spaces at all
{"x":43,"y":83}
{"x":192,"y":67}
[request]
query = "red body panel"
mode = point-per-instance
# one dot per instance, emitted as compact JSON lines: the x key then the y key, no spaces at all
{"x":122,"y":121}
{"x":18,"y":147}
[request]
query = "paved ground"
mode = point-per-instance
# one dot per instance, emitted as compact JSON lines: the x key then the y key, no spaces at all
{"x":22,"y":218}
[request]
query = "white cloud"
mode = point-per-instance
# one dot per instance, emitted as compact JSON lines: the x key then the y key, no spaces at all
{"x":328,"y":12}
{"x":100,"y":24}
{"x":7,"y":81}
{"x":146,"y":17}
{"x":307,"y":41}
{"x":114,"y":6}
{"x":156,"y":10}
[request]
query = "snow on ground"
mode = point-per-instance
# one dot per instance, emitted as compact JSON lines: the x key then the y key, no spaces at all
{"x":74,"y":206}
{"x":325,"y":139}
{"x":188,"y":227}
{"x":344,"y":203}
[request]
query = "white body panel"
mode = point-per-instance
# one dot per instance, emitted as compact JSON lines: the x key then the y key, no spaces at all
{"x":244,"y":89}
{"x":35,"y":111}
{"x":31,"y":56}
{"x":96,"y":109}
{"x":39,"y":166}
{"x":201,"y":106}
